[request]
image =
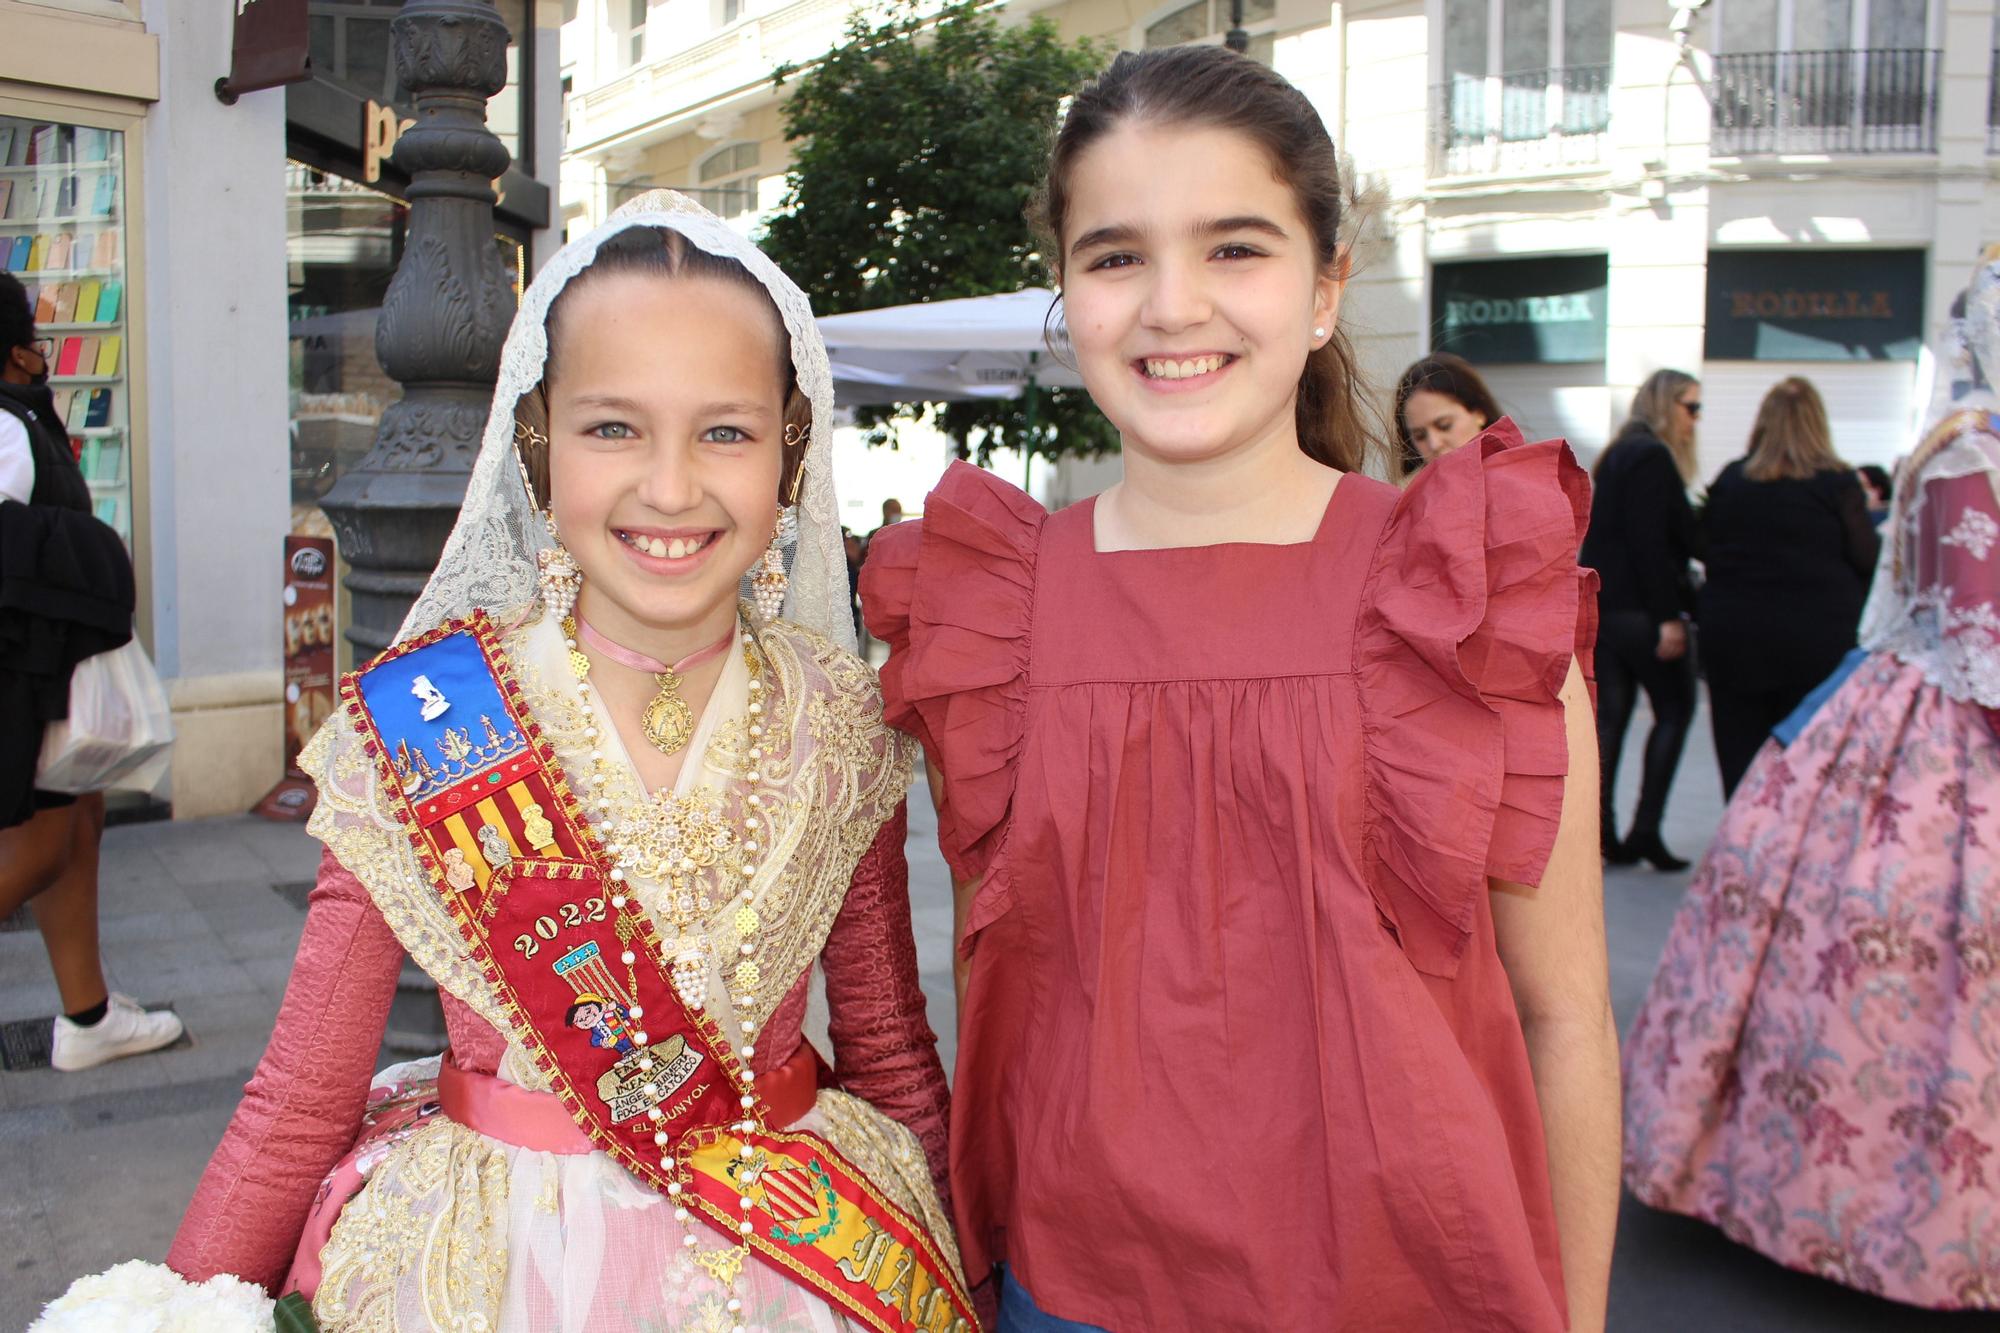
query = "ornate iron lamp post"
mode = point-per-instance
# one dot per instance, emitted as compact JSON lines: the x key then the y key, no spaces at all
{"x":442,"y":324}
{"x":1236,"y":39}
{"x":443,"y":319}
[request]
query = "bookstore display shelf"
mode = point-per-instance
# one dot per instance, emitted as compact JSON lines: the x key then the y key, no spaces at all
{"x":51,"y":224}
{"x":114,"y":271}
{"x":37,"y":170}
{"x":63,"y":234}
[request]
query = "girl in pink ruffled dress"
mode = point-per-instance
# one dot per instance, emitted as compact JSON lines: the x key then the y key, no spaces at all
{"x":1248,"y":765}
{"x":1817,"y":1067}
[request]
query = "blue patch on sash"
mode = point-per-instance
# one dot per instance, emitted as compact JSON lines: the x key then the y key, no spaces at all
{"x":469,"y":728}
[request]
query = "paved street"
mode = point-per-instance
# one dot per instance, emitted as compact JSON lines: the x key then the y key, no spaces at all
{"x":96,"y":1167}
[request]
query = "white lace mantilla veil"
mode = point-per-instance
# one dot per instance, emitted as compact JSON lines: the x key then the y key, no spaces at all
{"x":1951,"y":633}
{"x":489,"y":561}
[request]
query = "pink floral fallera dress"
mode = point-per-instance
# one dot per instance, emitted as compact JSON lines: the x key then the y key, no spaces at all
{"x":1816,"y":1069}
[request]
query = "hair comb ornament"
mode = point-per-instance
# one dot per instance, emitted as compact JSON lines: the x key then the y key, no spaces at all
{"x":796,"y":439}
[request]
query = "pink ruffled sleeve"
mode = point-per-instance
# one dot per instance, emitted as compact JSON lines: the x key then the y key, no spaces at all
{"x":303,"y":1107}
{"x":953,"y":595}
{"x":1475,"y":607}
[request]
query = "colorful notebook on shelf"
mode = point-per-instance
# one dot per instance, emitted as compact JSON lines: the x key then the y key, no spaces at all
{"x":45,"y":303}
{"x":86,"y":301}
{"x":92,"y":145}
{"x":107,"y":300}
{"x":38,"y":254}
{"x":107,"y":354}
{"x":70,"y":354}
{"x":105,"y":195}
{"x":98,"y":411}
{"x":105,"y":254}
{"x":66,"y":294}
{"x":59,"y":247}
{"x":17,"y":257}
{"x":41,"y":145}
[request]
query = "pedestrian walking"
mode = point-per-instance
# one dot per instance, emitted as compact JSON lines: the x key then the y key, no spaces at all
{"x":1815,"y":1068}
{"x":1789,"y":551}
{"x":1641,"y":539}
{"x":66,"y":594}
{"x":1441,"y":403}
{"x":1244,"y":767}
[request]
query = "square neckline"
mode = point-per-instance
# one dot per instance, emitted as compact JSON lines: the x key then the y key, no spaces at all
{"x":1320,"y":531}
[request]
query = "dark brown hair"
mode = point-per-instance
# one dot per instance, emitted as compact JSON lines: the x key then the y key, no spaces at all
{"x":1441,"y":373}
{"x":1212,"y":85}
{"x":659,"y":252}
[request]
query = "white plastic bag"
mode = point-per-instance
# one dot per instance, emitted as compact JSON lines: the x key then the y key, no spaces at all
{"x":118,"y":723}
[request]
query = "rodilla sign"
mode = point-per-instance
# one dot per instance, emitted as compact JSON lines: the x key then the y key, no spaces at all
{"x":1546,"y":310}
{"x":1815,"y":305}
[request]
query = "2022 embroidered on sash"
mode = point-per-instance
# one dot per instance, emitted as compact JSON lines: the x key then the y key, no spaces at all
{"x":588,"y":992}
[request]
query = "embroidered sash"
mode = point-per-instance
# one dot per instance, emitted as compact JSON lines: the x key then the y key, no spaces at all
{"x":589,"y":995}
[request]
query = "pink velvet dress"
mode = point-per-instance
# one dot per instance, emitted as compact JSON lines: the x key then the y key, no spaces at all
{"x":1238,"y":1051}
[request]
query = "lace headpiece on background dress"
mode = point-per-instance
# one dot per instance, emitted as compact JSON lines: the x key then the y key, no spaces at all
{"x":1935,"y":602}
{"x":489,"y":560}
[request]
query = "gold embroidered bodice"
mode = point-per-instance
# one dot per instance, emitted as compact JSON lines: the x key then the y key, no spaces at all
{"x":840,"y":772}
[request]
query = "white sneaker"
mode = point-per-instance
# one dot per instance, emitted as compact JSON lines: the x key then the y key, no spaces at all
{"x":125,"y":1029}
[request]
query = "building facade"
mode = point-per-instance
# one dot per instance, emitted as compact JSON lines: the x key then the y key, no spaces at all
{"x":210,"y":272}
{"x":1571,"y":193}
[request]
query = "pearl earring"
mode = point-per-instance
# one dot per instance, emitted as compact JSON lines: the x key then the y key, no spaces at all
{"x":1319,"y":334}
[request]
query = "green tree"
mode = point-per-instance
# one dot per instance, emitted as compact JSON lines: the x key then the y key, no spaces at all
{"x":918,"y":144}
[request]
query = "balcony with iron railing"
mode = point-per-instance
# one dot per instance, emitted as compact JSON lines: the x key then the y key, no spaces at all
{"x":1531,"y":120}
{"x":1869,"y":101}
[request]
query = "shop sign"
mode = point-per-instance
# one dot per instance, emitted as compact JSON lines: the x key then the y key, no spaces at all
{"x":308,"y":639}
{"x":269,"y":48}
{"x":1546,"y":310}
{"x":1815,"y":305}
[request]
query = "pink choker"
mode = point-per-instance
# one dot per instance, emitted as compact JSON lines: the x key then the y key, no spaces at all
{"x":626,"y":657}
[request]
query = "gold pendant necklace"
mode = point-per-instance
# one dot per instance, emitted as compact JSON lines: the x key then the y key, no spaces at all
{"x":668,"y":722}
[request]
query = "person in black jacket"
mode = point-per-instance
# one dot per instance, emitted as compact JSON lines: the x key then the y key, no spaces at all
{"x":1640,"y":540}
{"x":1790,"y":551}
{"x":66,"y":593}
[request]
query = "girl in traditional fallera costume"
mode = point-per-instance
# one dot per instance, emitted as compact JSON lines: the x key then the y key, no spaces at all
{"x":617,"y":819}
{"x":1246,"y":767}
{"x":1816,"y":1069}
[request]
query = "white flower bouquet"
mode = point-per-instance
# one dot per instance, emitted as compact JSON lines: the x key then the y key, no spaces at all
{"x":140,"y":1297}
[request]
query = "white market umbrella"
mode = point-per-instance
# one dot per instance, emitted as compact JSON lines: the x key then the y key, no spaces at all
{"x":997,"y":341}
{"x":994,"y":346}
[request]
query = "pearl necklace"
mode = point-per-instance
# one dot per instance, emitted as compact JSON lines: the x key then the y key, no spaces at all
{"x":689,"y":953}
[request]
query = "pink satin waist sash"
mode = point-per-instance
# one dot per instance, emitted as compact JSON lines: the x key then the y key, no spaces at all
{"x":536,"y":1120}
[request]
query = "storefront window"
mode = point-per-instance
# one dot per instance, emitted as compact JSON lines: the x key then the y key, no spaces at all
{"x":342,"y":245}
{"x":62,"y":233}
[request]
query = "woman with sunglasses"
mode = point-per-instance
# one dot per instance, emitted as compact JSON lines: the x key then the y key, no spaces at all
{"x":1640,"y":541}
